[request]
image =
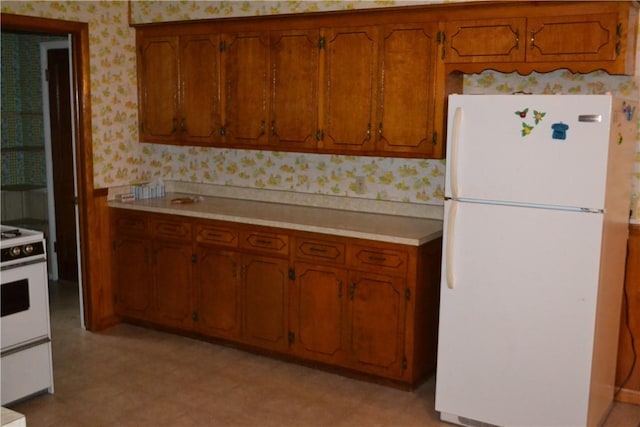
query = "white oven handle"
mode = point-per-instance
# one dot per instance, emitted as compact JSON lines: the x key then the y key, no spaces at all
{"x":23,"y":263}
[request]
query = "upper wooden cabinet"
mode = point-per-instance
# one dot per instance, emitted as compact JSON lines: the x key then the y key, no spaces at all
{"x":293,"y":121}
{"x":366,"y":82}
{"x":178,"y":87}
{"x":406,"y":92}
{"x":158,"y":87}
{"x":349,"y":89}
{"x":593,"y":36}
{"x":246,"y":77}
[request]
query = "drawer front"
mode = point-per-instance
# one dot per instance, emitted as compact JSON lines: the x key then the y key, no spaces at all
{"x":216,"y":235}
{"x":379,"y":259}
{"x":273,"y":243}
{"x":172,"y":229}
{"x":130,"y":224}
{"x":320,"y":250}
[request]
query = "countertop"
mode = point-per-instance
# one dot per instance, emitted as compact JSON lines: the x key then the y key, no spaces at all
{"x":386,"y":228}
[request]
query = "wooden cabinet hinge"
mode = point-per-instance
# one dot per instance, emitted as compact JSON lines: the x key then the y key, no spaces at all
{"x":223,"y":131}
{"x":407,"y":294}
{"x":292,"y":274}
{"x":434,"y":139}
{"x":321,"y":43}
{"x":291,"y":337}
{"x":319,"y":135}
{"x":223,"y":45}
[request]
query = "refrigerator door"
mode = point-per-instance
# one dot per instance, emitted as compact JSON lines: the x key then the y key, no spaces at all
{"x":517,"y":313}
{"x":532,"y":149}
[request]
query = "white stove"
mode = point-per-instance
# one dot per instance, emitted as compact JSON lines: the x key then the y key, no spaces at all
{"x":25,"y":340}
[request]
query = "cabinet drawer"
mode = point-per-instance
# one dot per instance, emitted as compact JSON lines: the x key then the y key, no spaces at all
{"x":379,"y":259}
{"x":320,"y":250}
{"x":130,"y":224}
{"x":216,"y":235}
{"x":172,"y":229}
{"x":273,"y":243}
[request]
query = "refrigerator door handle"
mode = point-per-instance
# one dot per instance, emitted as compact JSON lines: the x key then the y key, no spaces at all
{"x":455,"y":139}
{"x":450,"y":237}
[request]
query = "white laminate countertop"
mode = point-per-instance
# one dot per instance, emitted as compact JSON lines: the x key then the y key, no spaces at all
{"x":386,"y":228}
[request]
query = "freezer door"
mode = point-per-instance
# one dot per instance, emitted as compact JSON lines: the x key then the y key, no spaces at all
{"x":517,"y":313}
{"x":533,"y":149}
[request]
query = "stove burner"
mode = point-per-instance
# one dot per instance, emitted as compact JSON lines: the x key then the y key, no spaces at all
{"x":10,"y":233}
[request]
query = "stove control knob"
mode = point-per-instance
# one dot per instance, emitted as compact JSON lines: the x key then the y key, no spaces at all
{"x":27,"y":249}
{"x":15,"y":251}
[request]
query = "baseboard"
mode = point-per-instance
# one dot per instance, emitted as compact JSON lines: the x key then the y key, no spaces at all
{"x":626,"y":395}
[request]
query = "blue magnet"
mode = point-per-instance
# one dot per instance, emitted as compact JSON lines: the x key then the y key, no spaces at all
{"x":559,"y":131}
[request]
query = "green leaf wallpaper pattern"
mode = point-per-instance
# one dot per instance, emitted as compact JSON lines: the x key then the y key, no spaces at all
{"x":119,"y":159}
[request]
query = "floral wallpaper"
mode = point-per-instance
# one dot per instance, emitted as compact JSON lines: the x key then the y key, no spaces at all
{"x":119,"y":159}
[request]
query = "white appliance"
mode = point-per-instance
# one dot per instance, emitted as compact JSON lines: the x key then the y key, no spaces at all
{"x":536,"y":220}
{"x":25,"y":339}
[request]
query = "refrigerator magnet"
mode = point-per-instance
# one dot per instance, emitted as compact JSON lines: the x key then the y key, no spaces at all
{"x":559,"y":131}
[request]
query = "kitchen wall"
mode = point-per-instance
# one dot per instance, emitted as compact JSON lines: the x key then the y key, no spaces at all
{"x":119,"y":159}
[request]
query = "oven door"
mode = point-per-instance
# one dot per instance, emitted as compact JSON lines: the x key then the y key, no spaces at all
{"x":24,"y":305}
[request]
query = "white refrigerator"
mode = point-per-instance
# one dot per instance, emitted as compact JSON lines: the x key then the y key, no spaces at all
{"x":537,"y":197}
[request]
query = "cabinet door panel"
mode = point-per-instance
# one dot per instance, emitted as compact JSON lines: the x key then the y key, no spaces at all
{"x":488,"y":40}
{"x":406,"y":90}
{"x":294,"y":80}
{"x":376,"y":321}
{"x":349,"y":86}
{"x":246,"y":59}
{"x":158,"y":88}
{"x":218,"y":292}
{"x":132,"y":278}
{"x":199,"y":88}
{"x":172,"y":264}
{"x":572,"y":38}
{"x":317,"y":314}
{"x":265,"y":302}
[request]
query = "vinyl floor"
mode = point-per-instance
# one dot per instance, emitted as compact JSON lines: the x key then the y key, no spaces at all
{"x":131,"y":376}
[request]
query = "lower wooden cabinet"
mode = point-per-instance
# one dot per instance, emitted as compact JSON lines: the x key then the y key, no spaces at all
{"x":132,"y":276}
{"x":364,"y":306}
{"x":318,"y":312}
{"x":217,"y":292}
{"x":264,"y":302}
{"x":376,"y":318}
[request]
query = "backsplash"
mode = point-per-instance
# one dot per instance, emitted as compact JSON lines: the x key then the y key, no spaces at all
{"x":119,"y":159}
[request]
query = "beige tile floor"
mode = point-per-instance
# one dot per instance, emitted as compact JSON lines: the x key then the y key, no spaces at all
{"x":130,"y":376}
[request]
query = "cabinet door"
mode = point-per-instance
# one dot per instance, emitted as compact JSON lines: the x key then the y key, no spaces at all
{"x":199,"y":88}
{"x":132,"y":276}
{"x":158,"y":89}
{"x":406,"y":93}
{"x":217,"y":285}
{"x":487,"y":40}
{"x":246,"y":59}
{"x":572,"y":38}
{"x":349,"y":88}
{"x":172,"y":296}
{"x":265,"y":302}
{"x":318,"y":315}
{"x":376,"y":313}
{"x":294,"y":81}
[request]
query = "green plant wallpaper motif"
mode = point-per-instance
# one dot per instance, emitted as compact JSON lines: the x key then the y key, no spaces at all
{"x":119,"y":159}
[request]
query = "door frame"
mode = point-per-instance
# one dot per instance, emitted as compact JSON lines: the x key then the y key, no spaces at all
{"x":88,"y":215}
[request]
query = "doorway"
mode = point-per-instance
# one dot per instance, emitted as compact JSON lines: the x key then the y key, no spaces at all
{"x":89,"y":201}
